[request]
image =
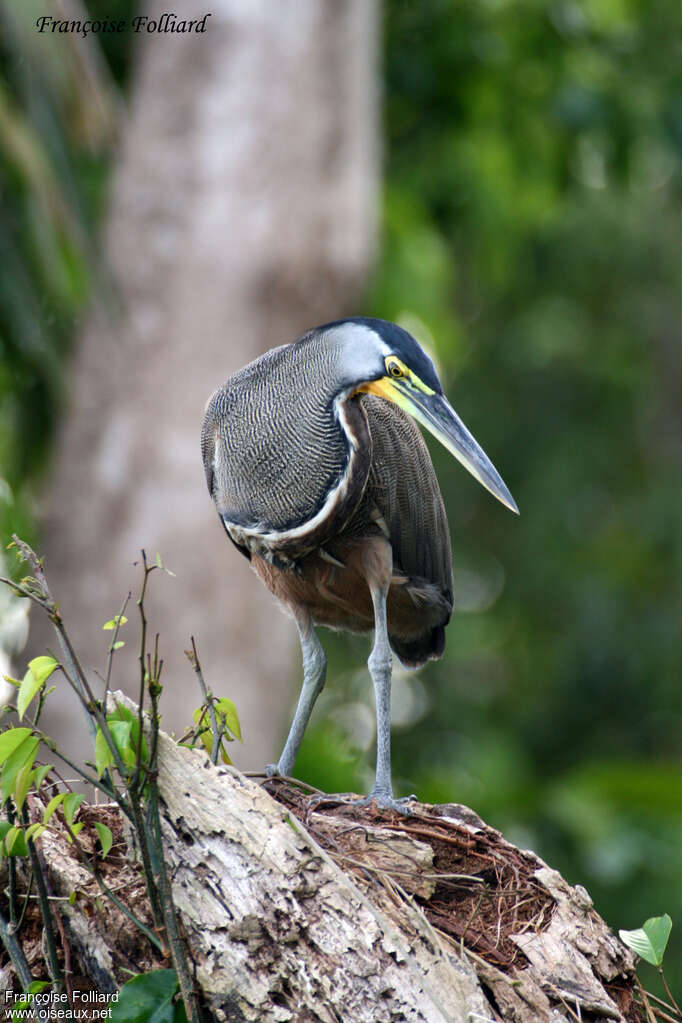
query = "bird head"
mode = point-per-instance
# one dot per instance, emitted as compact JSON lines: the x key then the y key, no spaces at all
{"x":395,"y":367}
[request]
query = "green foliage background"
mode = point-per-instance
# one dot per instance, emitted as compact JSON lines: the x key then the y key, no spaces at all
{"x":532,"y":216}
{"x":531,"y":228}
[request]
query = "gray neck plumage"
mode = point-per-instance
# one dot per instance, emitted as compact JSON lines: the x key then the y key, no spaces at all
{"x":289,"y":460}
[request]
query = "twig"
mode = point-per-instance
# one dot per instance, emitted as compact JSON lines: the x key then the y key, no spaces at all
{"x":471,"y":918}
{"x":645,"y":1001}
{"x":27,"y":899}
{"x":177,"y":948}
{"x":111,"y":793}
{"x":12,"y":890}
{"x":668,"y":991}
{"x":104,"y":887}
{"x":142,"y":656}
{"x":13,"y":896}
{"x":666,"y":1005}
{"x":45,"y":599}
{"x":110,"y":894}
{"x":193,"y":658}
{"x":70,"y":665}
{"x":660,"y":1014}
{"x":282,"y":777}
{"x":15,"y":952}
{"x":66,"y":946}
{"x":431,"y":834}
{"x":112,"y":648}
{"x":155,"y":669}
{"x":45,"y":911}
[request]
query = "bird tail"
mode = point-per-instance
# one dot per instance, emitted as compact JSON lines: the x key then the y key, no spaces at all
{"x":415,"y":652}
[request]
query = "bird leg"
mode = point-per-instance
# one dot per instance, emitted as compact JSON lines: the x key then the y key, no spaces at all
{"x":314,"y":675}
{"x":379,"y":568}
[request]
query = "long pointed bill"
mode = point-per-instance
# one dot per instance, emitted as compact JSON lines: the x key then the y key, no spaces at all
{"x":436,"y":413}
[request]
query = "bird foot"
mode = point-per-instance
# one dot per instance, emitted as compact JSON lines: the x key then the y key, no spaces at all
{"x":386,"y":801}
{"x":383,"y":801}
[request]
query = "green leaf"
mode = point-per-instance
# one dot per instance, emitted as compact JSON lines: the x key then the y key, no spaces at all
{"x":650,"y":940}
{"x":117,"y":645}
{"x":52,"y":806}
{"x":121,"y":733}
{"x":14,"y":842}
{"x":39,"y":670}
{"x":104,"y":758}
{"x":148,"y":998}
{"x":228,"y":712}
{"x":10,"y":740}
{"x":36,"y":986}
{"x":71,"y":803}
{"x":40,"y":774}
{"x":205,"y":733}
{"x":113,"y":622}
{"x":12,"y":681}
{"x":23,"y":754}
{"x":27,"y":690}
{"x":124,"y":714}
{"x":22,"y":783}
{"x":42,"y":667}
{"x":106,"y":838}
{"x":35,"y":831}
{"x":159,"y":564}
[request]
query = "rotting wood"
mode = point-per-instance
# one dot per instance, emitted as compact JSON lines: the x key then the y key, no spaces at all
{"x":296,"y":909}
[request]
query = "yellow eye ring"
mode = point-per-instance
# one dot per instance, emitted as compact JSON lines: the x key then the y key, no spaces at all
{"x":394,"y":368}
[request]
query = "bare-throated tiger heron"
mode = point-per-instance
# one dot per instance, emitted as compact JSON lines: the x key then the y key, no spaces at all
{"x":321,"y":477}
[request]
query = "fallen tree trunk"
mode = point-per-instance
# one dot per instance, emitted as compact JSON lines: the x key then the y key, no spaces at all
{"x":303,"y":908}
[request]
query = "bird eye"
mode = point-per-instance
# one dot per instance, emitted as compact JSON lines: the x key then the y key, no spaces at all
{"x":394,"y":368}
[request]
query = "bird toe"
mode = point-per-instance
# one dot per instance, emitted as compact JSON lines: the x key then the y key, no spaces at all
{"x":386,"y":801}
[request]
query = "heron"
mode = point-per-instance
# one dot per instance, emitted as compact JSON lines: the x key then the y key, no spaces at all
{"x":322,"y":479}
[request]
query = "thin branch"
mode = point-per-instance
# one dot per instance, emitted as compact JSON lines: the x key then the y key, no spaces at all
{"x":70,"y":665}
{"x":12,"y":892}
{"x":177,"y":948}
{"x":49,"y":605}
{"x":112,"y":650}
{"x":128,"y":912}
{"x":193,"y":658}
{"x":668,"y":991}
{"x":51,"y":897}
{"x":27,"y":899}
{"x":104,"y":887}
{"x":111,"y":793}
{"x":15,"y":952}
{"x":45,"y":911}
{"x":665,"y":1005}
{"x":13,"y":896}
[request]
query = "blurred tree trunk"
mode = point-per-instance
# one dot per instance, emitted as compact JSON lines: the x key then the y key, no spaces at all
{"x":242,"y":212}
